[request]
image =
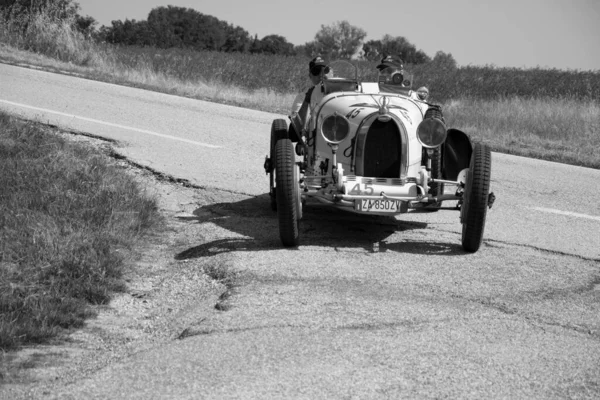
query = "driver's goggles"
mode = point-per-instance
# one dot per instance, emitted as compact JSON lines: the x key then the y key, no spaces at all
{"x":317,"y":70}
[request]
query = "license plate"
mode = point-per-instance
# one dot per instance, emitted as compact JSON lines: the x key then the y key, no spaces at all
{"x":366,"y":205}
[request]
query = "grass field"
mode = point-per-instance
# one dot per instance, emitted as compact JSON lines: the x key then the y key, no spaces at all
{"x":561,"y":130}
{"x":67,"y":219}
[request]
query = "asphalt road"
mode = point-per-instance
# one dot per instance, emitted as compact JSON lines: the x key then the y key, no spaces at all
{"x":365,"y":307}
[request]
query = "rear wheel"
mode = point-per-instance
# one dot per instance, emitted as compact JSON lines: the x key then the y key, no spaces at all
{"x":475,"y":198}
{"x":278,"y":131}
{"x":289,"y":207}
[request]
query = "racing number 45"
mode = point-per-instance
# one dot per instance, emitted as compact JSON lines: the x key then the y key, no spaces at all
{"x":367,"y":191}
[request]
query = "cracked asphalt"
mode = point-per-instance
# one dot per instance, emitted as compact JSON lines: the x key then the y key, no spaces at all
{"x":364,"y":307}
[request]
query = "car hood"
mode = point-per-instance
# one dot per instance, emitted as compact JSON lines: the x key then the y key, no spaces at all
{"x":357,"y":106}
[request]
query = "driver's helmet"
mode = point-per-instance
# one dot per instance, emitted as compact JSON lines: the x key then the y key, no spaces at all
{"x":391,"y":70}
{"x":317,"y":65}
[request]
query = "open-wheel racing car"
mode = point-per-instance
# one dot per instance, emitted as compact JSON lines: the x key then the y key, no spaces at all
{"x":376,"y":148}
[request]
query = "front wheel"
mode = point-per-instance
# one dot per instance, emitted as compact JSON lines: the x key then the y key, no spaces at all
{"x":475,"y":198}
{"x":278,"y":131}
{"x":287,"y":188}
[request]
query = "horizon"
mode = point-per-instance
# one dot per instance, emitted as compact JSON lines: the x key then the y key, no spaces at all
{"x":526,"y":34}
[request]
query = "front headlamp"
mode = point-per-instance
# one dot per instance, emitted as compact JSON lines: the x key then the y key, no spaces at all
{"x":335,"y":128}
{"x":431,"y":133}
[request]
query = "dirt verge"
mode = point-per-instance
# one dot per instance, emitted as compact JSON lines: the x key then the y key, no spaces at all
{"x":167,"y":298}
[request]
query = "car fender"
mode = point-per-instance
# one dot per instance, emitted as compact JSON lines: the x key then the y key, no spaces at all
{"x":456,"y":153}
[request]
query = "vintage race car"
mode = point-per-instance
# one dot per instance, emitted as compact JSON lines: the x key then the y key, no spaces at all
{"x":376,"y":148}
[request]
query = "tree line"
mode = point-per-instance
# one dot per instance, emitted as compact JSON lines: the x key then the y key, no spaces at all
{"x":173,"y":26}
{"x":180,"y":27}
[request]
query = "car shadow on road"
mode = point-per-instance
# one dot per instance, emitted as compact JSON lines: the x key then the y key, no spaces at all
{"x":254,"y":226}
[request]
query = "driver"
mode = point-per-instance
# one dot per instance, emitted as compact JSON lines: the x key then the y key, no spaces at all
{"x":305,"y":102}
{"x":317,"y":68}
{"x":391,"y":70}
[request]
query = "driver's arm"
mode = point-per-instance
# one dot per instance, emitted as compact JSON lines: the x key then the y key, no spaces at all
{"x":315,"y":98}
{"x":303,"y":111}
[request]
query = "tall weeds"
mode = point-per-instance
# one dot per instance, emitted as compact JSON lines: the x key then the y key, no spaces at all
{"x":561,"y":130}
{"x":47,"y":33}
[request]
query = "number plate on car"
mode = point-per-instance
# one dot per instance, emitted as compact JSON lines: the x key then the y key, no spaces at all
{"x":366,"y":205}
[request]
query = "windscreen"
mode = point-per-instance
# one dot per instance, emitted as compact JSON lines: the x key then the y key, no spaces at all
{"x":343,"y":70}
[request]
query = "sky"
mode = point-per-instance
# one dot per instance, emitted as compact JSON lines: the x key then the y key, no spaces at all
{"x":563,"y":34}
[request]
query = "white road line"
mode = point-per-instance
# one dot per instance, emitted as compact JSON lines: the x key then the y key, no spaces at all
{"x":567,"y":213}
{"x":96,"y":121}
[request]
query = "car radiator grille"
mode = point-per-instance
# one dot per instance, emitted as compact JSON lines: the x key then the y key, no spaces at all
{"x":383,"y":147}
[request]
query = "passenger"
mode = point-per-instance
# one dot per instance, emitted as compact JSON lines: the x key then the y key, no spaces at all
{"x":391,"y":70}
{"x":306,"y":102}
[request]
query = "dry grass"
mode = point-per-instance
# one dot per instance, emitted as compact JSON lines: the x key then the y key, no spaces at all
{"x":65,"y":216}
{"x":560,"y":130}
{"x":146,"y":78}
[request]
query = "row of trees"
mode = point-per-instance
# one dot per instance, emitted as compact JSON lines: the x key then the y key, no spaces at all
{"x":179,"y":27}
{"x":172,"y":26}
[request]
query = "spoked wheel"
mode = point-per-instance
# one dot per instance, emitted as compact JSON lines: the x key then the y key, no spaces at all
{"x":289,"y":206}
{"x":475,"y":198}
{"x":278,"y":131}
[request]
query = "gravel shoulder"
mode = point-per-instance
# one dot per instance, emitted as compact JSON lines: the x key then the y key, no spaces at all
{"x":165,"y":297}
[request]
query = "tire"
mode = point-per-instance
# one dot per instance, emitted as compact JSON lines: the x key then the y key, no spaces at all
{"x":475,"y":198}
{"x":287,"y":187}
{"x":278,"y":131}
